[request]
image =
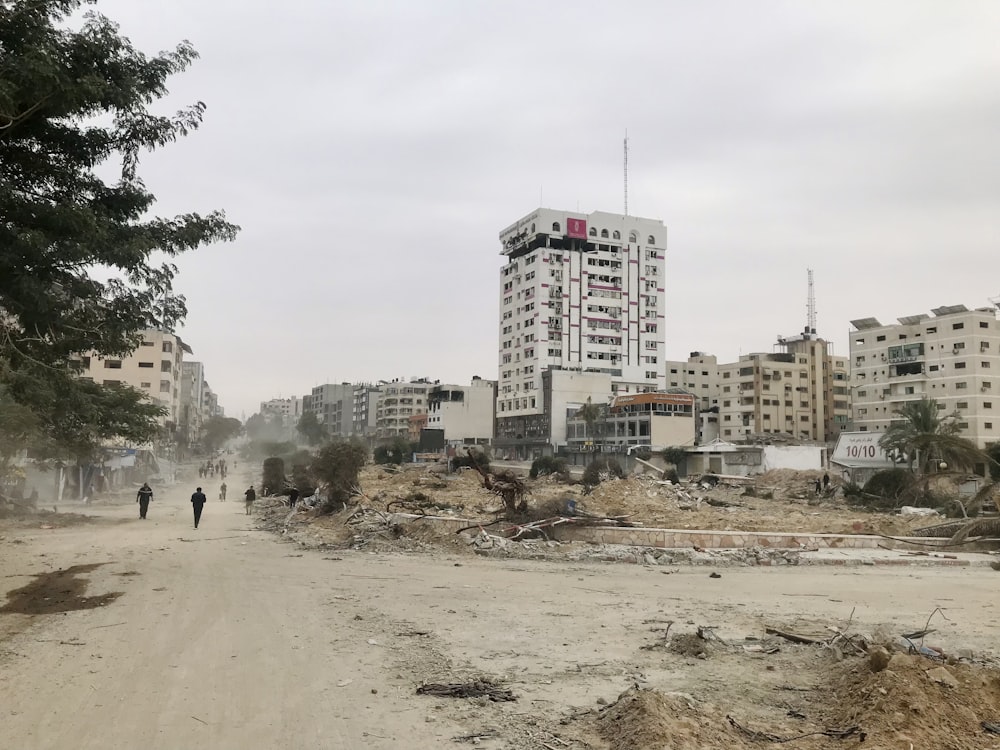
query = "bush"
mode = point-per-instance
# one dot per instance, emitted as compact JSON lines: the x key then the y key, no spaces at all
{"x":889,"y":490}
{"x":273,"y":481}
{"x":472,"y":460}
{"x":397,"y":451}
{"x":337,"y":467}
{"x":675,"y":456}
{"x":643,"y":453}
{"x":601,"y":469}
{"x":671,"y":475}
{"x":545,"y":465}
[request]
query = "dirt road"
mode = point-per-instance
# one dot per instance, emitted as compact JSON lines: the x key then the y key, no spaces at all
{"x":225,"y":637}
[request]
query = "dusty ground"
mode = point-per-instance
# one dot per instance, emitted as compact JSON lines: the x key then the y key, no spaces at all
{"x":129,"y":633}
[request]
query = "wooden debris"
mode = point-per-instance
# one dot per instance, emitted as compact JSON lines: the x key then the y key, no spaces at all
{"x":481,"y":688}
{"x":839,"y":734}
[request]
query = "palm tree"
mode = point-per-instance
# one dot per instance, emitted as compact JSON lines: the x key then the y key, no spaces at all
{"x":925,"y":438}
{"x":589,"y":413}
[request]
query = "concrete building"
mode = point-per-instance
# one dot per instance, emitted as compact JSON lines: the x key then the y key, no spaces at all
{"x":366,"y":398}
{"x":952,"y":356}
{"x":464,"y":414}
{"x":192,"y":413}
{"x":333,"y":405}
{"x":399,"y":401}
{"x":801,"y":392}
{"x":578,"y":292}
{"x":289,"y":409}
{"x":153,"y":368}
{"x":659,"y":420}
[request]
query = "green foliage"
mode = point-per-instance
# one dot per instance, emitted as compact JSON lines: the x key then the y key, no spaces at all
{"x":336,"y":469}
{"x":217,"y":430}
{"x":601,"y":469}
{"x":471,"y":460}
{"x":311,"y":430}
{"x":79,"y":268}
{"x":396,"y":451}
{"x":993,"y":453}
{"x":889,"y":490}
{"x":674,"y":455}
{"x":643,"y":454}
{"x":266,"y":429}
{"x":671,"y":475}
{"x":923,"y":436}
{"x":545,"y":465}
{"x":273,"y":480}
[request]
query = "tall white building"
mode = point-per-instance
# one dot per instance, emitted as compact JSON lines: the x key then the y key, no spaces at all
{"x":580,"y":292}
{"x":952,"y":357}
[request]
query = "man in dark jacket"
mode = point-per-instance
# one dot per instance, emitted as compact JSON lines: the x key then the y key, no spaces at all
{"x":251,"y":495}
{"x":143,"y":497}
{"x":293,"y":496}
{"x":198,"y":503}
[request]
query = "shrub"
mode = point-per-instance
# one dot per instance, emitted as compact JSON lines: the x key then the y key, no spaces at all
{"x":889,"y":490}
{"x":545,"y":465}
{"x":273,"y":480}
{"x":397,"y":451}
{"x":671,"y":475}
{"x":471,"y":460}
{"x":601,"y":469}
{"x":674,"y":455}
{"x":336,"y":467}
{"x":643,"y":453}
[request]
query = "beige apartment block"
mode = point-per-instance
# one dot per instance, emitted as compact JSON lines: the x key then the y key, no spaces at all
{"x":153,"y":368}
{"x":801,"y":392}
{"x":399,"y":401}
{"x":952,"y":356}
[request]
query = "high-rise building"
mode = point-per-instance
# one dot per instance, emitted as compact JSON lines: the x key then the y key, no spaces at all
{"x":952,"y":357}
{"x":399,"y":401}
{"x":366,"y":398}
{"x":333,"y":405}
{"x":578,"y":292}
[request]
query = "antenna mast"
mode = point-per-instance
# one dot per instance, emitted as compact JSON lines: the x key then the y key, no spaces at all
{"x":626,"y":172}
{"x":811,"y":305}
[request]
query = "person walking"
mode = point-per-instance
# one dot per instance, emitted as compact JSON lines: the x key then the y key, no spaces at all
{"x":222,"y":492}
{"x":293,"y":496}
{"x":143,"y":497}
{"x":251,"y":495}
{"x":826,"y":481}
{"x":198,"y":501}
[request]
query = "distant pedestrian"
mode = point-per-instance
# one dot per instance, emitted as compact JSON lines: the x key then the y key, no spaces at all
{"x":222,"y":492}
{"x":198,"y":501}
{"x":826,"y":481}
{"x":143,"y":497}
{"x":293,"y":496}
{"x":251,"y":495}
{"x":819,"y":486}
{"x":201,"y":472}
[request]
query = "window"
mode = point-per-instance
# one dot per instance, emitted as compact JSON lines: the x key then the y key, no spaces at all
{"x":556,"y":227}
{"x":962,"y":405}
{"x":983,"y":324}
{"x":933,"y":368}
{"x":145,"y":364}
{"x":112,"y":364}
{"x":145,"y":385}
{"x":166,"y":365}
{"x":168,"y":347}
{"x":960,"y":365}
{"x":859,"y":342}
{"x":961,"y":386}
{"x":147,"y":343}
{"x":616,"y":235}
{"x":651,"y":240}
{"x":604,"y":233}
{"x":633,"y":237}
{"x":880,"y":338}
{"x":984,"y":364}
{"x":593,"y":232}
{"x":957,"y":326}
{"x":988,"y":425}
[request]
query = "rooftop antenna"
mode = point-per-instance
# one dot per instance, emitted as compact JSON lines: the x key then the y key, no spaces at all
{"x":626,"y":171}
{"x":811,"y":305}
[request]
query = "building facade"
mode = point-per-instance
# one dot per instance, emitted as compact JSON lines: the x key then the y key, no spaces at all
{"x":464,"y":414}
{"x":800,"y":393}
{"x":154,"y":368}
{"x":952,"y":355}
{"x":659,"y":420}
{"x":399,"y":401}
{"x":366,"y":398}
{"x":333,"y":405}
{"x":579,"y":292}
{"x":289,"y":409}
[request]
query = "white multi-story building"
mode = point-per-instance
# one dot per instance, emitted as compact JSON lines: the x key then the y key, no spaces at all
{"x":366,"y":398}
{"x":952,"y":357}
{"x":153,"y":368}
{"x":192,"y":411}
{"x":333,"y":405}
{"x":580,"y":292}
{"x":289,"y":409}
{"x":464,"y":414}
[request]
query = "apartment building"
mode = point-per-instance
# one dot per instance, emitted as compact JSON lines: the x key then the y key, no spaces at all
{"x":366,"y":398}
{"x":951,"y":355}
{"x":578,"y":292}
{"x":192,"y":402}
{"x":463,"y":414}
{"x":153,"y":368}
{"x":289,"y":409}
{"x":333,"y":405}
{"x":660,"y":420}
{"x":399,"y":401}
{"x":800,"y":392}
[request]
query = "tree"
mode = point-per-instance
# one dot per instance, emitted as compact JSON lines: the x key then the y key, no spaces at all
{"x":217,"y":430}
{"x":311,"y":429}
{"x":589,"y":413}
{"x":336,"y":468}
{"x":72,"y":103}
{"x":925,"y":439}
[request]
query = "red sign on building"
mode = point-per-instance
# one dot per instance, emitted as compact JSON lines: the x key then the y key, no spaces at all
{"x":576,"y":228}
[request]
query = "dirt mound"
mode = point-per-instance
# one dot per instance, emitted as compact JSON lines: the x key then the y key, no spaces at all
{"x":643,"y":718}
{"x":920,"y":701}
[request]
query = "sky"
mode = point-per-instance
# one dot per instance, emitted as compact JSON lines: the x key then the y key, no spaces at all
{"x":372,"y":151}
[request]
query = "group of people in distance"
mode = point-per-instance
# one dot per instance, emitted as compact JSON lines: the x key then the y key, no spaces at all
{"x":145,"y":495}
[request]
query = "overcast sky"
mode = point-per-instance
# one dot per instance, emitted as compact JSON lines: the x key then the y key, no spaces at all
{"x":372,"y":151}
